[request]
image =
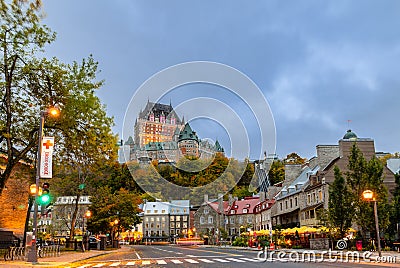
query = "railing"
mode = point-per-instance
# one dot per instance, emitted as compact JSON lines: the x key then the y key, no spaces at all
{"x":20,"y":253}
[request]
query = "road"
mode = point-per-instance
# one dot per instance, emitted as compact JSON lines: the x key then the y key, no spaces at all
{"x":175,"y":256}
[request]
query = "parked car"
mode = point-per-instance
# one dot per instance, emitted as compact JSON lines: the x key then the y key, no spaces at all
{"x":93,"y":242}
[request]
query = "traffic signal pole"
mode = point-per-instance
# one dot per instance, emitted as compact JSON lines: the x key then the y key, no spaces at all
{"x":32,"y":255}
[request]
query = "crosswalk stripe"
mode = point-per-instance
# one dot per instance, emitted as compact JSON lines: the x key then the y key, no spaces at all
{"x":236,"y":260}
{"x":161,"y":262}
{"x":176,"y":261}
{"x":206,"y":261}
{"x":253,"y":260}
{"x":220,"y":260}
{"x":191,"y":261}
{"x":83,"y":266}
{"x":100,"y":265}
{"x":130,"y":263}
{"x":145,"y":262}
{"x":115,"y":264}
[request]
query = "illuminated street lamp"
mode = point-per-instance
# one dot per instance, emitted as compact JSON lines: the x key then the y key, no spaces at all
{"x":54,"y":112}
{"x":87,"y":215}
{"x":369,"y":196}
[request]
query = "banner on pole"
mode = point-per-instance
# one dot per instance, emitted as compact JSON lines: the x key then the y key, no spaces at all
{"x":46,"y":170}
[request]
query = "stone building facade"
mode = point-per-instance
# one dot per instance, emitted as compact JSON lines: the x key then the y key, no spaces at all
{"x":14,"y":200}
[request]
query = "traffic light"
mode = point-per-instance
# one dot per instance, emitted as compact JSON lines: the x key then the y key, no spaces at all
{"x":45,"y":198}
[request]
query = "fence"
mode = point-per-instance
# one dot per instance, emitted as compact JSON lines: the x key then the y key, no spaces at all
{"x":20,"y":253}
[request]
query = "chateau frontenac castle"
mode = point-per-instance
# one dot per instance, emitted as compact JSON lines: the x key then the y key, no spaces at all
{"x":159,"y":134}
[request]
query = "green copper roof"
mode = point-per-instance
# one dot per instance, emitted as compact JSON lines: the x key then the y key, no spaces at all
{"x":218,"y":147}
{"x":188,"y":134}
{"x":349,"y":135}
{"x":129,"y":141}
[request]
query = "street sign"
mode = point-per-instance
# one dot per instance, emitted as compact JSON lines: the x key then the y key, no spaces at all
{"x":46,"y":157}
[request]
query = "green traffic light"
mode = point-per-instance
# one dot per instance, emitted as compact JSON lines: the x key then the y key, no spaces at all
{"x":44,"y":199}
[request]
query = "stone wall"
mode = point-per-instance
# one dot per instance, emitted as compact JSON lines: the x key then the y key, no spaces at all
{"x":326,"y":153}
{"x":14,"y":199}
{"x":319,"y":243}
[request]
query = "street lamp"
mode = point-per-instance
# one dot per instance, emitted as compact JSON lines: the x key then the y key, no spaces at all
{"x":54,"y":112}
{"x":87,"y":215}
{"x":369,"y":196}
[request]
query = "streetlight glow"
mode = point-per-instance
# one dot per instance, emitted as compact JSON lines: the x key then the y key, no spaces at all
{"x":369,"y":196}
{"x":53,"y":111}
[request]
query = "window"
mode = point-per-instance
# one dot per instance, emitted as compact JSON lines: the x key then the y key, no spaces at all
{"x":308,"y":199}
{"x":202,"y":220}
{"x":151,"y":219}
{"x":245,"y":210}
{"x":295,"y":201}
{"x":320,"y":195}
{"x":210,"y":219}
{"x":232,"y":211}
{"x":286,"y":204}
{"x":291,"y":203}
{"x":249,"y":219}
{"x":232,"y":220}
{"x":148,"y":211}
{"x":163,"y":211}
{"x":206,"y":211}
{"x":281,"y":206}
{"x":240,"y":220}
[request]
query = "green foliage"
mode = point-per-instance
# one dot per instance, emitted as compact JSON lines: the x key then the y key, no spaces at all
{"x":108,"y":206}
{"x":29,"y":85}
{"x":340,"y":209}
{"x":276,"y":172}
{"x":367,"y":175}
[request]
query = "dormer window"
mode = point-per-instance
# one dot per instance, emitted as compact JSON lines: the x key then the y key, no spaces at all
{"x":245,"y":210}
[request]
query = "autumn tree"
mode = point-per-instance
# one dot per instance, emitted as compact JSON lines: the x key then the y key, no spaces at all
{"x":30,"y":84}
{"x":294,"y":158}
{"x":113,"y":212}
{"x":276,"y":173}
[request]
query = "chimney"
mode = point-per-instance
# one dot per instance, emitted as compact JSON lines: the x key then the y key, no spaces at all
{"x":231,"y":200}
{"x":220,"y":203}
{"x":205,"y":198}
{"x":262,"y":196}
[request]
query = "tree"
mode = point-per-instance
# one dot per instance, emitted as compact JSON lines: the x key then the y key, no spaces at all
{"x":113,"y":212}
{"x":367,"y":175}
{"x":276,"y":173}
{"x":294,"y":158}
{"x":340,"y":209}
{"x":29,"y":85}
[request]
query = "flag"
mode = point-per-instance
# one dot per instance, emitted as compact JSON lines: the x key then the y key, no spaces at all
{"x":46,"y":157}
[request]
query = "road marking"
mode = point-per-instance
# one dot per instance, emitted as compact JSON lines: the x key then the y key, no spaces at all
{"x":137,"y":255}
{"x":206,"y":261}
{"x":161,"y":262}
{"x":176,"y":261}
{"x":179,"y":253}
{"x":220,"y":260}
{"x":236,"y":260}
{"x":191,"y":261}
{"x":253,"y":260}
{"x":145,"y":262}
{"x":115,"y":264}
{"x":100,"y":265}
{"x":83,"y":266}
{"x":131,"y":263}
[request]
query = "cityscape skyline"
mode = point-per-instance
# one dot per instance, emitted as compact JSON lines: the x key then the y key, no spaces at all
{"x":316,"y":71}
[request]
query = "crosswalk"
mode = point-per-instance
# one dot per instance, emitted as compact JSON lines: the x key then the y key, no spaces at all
{"x":176,"y":261}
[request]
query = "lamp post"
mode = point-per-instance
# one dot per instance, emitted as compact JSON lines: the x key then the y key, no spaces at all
{"x":369,"y":196}
{"x":53,"y":111}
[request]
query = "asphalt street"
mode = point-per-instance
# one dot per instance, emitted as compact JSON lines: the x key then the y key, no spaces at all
{"x":179,"y":256}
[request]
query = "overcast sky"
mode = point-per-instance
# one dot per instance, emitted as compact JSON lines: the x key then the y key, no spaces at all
{"x":318,"y":63}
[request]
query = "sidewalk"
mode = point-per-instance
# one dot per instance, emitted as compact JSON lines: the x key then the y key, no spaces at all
{"x":63,"y":260}
{"x":372,"y":255}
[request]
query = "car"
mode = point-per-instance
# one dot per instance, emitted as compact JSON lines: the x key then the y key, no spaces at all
{"x":93,"y":242}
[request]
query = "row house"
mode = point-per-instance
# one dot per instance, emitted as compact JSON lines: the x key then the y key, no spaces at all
{"x":290,"y":200}
{"x":241,"y":214}
{"x":263,"y":215}
{"x":164,"y":220}
{"x":62,"y":213}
